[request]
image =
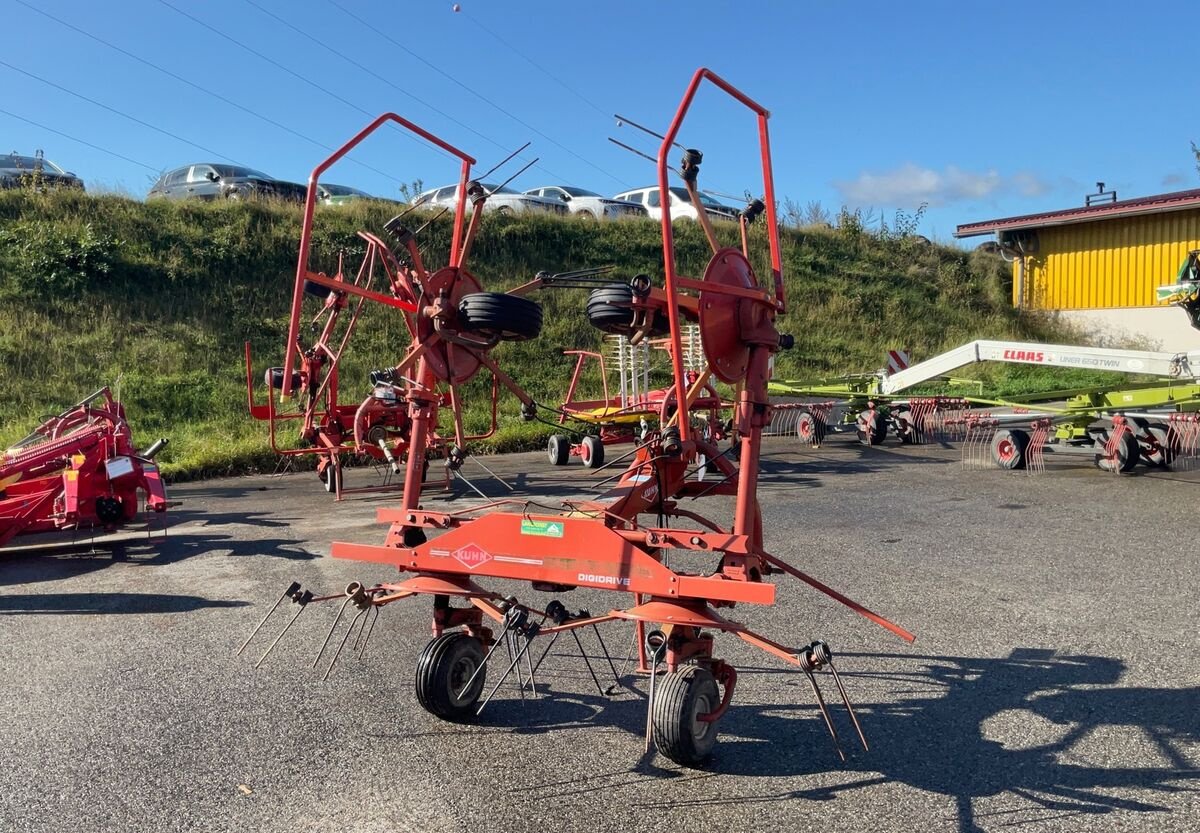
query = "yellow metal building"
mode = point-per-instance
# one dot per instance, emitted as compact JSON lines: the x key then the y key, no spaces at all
{"x":1101,"y":256}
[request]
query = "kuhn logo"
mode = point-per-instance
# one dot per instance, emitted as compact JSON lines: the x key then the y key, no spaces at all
{"x":651,"y":492}
{"x":615,"y":581}
{"x":1025,"y":355}
{"x":472,"y":556}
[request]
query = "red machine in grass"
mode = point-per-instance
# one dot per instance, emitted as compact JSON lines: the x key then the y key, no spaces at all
{"x":77,"y":470}
{"x":621,"y":539}
{"x":446,"y":350}
{"x":626,"y":411}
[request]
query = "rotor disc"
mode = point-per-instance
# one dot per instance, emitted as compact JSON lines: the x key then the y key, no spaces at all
{"x":720,"y":330}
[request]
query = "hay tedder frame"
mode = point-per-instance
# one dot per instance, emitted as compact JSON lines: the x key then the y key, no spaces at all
{"x":619,"y":540}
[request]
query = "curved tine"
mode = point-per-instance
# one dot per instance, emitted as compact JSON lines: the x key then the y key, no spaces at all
{"x":825,"y":714}
{"x":837,"y":679}
{"x":332,"y":628}
{"x":342,"y":644}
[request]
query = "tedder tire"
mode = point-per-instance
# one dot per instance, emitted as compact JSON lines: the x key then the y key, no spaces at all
{"x":496,"y":313}
{"x":906,"y":428}
{"x":329,"y":478}
{"x":558,"y":449}
{"x":609,"y":309}
{"x":1009,"y":447}
{"x":682,"y":697}
{"x":871,"y":427}
{"x":273,"y":378}
{"x":809,"y":429}
{"x":592,"y":452}
{"x":1161,"y":454}
{"x":1128,"y":455}
{"x":316,"y":290}
{"x":443,"y":668}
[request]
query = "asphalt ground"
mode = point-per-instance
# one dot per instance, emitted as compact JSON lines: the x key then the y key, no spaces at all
{"x":1054,"y":685}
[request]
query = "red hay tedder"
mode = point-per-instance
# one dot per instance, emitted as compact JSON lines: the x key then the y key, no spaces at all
{"x":614,"y":541}
{"x":77,"y":470}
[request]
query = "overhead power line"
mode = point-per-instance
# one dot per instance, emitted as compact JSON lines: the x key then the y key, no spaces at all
{"x":79,"y":141}
{"x":120,"y":113}
{"x":205,"y":90}
{"x":552,"y":76}
{"x":292,"y":72}
{"x":478,"y":95}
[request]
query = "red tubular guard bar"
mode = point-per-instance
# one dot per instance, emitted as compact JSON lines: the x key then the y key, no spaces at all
{"x":667,"y":232}
{"x":310,"y":203}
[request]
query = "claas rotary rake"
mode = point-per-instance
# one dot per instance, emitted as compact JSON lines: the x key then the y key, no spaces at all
{"x":617,"y":541}
{"x":78,"y":470}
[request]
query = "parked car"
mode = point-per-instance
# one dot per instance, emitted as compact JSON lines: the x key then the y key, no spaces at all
{"x":502,"y":200}
{"x":588,"y":204}
{"x":339,"y":194}
{"x":37,"y":171}
{"x":681,"y":204}
{"x":210,"y":181}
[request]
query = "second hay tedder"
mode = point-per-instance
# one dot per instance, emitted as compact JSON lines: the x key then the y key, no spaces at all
{"x":619,"y":540}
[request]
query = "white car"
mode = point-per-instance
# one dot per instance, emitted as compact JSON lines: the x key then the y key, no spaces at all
{"x":681,"y":204}
{"x":501,"y":200}
{"x":588,"y":204}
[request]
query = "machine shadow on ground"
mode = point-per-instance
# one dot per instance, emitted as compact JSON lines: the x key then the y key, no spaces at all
{"x":933,"y":738}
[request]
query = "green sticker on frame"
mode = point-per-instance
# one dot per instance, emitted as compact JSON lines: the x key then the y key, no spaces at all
{"x":545,"y":529}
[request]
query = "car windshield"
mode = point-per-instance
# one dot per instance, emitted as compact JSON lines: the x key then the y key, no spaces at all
{"x":28,"y":163}
{"x":682,"y":194}
{"x":496,"y":189}
{"x":579,"y":192}
{"x":237,"y":171}
{"x":344,"y":191}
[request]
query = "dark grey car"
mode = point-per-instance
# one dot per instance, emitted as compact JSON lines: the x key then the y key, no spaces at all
{"x":18,"y":171}
{"x":211,"y":181}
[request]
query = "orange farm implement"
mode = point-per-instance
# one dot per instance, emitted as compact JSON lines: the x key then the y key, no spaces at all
{"x":618,"y":540}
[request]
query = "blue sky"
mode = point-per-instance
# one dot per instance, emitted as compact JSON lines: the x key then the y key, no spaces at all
{"x":978,"y":110}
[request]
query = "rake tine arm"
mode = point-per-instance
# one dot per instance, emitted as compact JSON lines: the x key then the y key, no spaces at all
{"x":836,"y":596}
{"x":812,"y":681}
{"x":294,"y":588}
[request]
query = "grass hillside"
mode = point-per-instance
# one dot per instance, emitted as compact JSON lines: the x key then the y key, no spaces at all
{"x":163,"y":295}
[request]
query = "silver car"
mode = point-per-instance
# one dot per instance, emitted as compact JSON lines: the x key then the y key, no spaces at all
{"x":500,"y":200}
{"x":681,"y":204}
{"x":588,"y":204}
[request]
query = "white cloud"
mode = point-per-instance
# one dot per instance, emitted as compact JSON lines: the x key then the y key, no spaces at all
{"x":911,"y":185}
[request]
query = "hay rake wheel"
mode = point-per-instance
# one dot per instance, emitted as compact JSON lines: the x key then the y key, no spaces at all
{"x":615,"y":541}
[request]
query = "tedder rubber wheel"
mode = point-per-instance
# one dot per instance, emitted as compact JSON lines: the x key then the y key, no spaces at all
{"x":1008,"y":448}
{"x":906,"y":428}
{"x":683,"y":696}
{"x":1127,"y":455}
{"x":509,"y":317}
{"x":443,"y":670}
{"x":273,"y":378}
{"x":558,"y":449}
{"x":609,"y":309}
{"x":329,"y":479}
{"x":316,"y":290}
{"x":809,"y":429}
{"x":871,"y":427}
{"x":1159,"y":453}
{"x":592,"y":452}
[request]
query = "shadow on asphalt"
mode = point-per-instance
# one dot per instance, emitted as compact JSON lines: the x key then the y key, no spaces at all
{"x":68,"y":561}
{"x":59,"y":603}
{"x":935,"y":739}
